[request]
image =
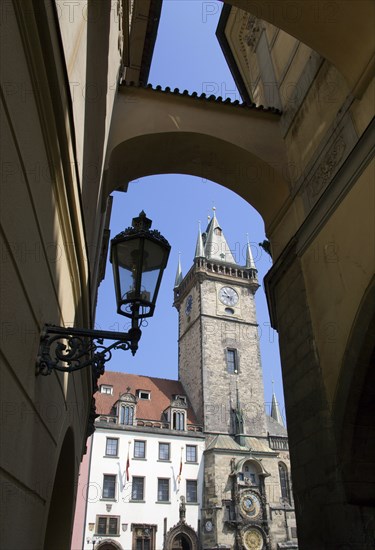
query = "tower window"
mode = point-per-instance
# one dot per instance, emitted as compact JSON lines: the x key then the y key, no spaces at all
{"x":232,"y":361}
{"x":284,"y":482}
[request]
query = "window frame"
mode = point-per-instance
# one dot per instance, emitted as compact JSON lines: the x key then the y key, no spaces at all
{"x":176,"y":420}
{"x":232,"y":366}
{"x":105,"y":482}
{"x":168,"y":445}
{"x":190,"y":482}
{"x":107,"y":530}
{"x":138,"y":478}
{"x":126,"y":414}
{"x":284,"y":482}
{"x":107,"y":454}
{"x":189,"y":448}
{"x":137,"y":442}
{"x":163,"y":479}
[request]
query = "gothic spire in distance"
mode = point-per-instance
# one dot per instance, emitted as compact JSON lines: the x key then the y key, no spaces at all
{"x":216,"y":247}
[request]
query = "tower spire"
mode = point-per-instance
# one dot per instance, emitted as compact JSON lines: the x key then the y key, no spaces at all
{"x":199,"y":249}
{"x":275,"y":409}
{"x":250,"y":264}
{"x":179,"y":277}
{"x":216,"y":247}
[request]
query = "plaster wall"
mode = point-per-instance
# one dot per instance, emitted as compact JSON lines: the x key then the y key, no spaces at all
{"x":149,"y":511}
{"x":43,"y":279}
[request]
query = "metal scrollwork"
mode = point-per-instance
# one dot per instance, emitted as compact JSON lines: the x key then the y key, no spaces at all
{"x":69,"y":349}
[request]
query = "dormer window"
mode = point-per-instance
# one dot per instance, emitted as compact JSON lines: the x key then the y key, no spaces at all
{"x":181,"y":398}
{"x":178,"y":420}
{"x":104,"y":388}
{"x":126,"y":414}
{"x":144,"y":394}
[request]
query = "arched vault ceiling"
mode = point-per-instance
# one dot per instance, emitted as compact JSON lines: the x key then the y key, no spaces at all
{"x":342,"y":31}
{"x":241,"y":148}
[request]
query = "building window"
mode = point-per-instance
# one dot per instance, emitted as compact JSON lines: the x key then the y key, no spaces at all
{"x":284,"y":481}
{"x":143,"y":394}
{"x":191,"y":490}
{"x":127,"y":415}
{"x":163,"y":490}
{"x":139,"y":449}
{"x":106,"y":389}
{"x":164,"y":451}
{"x":232,"y":361}
{"x":144,"y":536}
{"x":191,"y":453}
{"x":178,"y":420}
{"x":109,"y":486}
{"x":107,"y":525}
{"x":111,"y":446}
{"x":137,"y":488}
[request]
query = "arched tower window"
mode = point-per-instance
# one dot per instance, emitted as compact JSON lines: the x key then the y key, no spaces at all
{"x":284,"y":481}
{"x":126,"y":415}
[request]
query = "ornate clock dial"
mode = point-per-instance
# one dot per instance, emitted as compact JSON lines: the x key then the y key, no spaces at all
{"x":208,"y":525}
{"x":250,"y":505}
{"x":228,"y":296}
{"x":189,"y":304}
{"x":252,"y":539}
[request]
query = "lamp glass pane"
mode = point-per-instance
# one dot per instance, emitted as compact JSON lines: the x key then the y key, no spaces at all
{"x":153,"y":263}
{"x":128,"y":257}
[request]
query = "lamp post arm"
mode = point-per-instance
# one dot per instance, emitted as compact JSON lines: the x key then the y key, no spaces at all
{"x":71,"y":349}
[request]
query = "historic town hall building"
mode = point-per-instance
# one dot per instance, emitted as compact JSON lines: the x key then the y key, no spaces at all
{"x":194,"y":463}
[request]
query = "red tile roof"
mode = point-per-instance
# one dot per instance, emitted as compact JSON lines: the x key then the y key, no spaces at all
{"x":161,"y":391}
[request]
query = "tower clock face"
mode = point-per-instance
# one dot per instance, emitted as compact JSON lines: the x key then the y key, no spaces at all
{"x":228,"y":296}
{"x":250,"y":505}
{"x":252,"y":539}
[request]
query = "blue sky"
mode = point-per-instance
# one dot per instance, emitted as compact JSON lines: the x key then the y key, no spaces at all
{"x":187,"y":56}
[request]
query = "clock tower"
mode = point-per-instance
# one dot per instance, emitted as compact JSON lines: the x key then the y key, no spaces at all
{"x":219,"y":359}
{"x":246,"y":489}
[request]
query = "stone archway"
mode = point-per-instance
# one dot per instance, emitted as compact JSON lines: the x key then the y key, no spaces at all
{"x":181,"y":537}
{"x":60,"y":515}
{"x":108,"y":544}
{"x":353,"y":413}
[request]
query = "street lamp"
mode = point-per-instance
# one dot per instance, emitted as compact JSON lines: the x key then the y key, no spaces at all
{"x":138,"y":256}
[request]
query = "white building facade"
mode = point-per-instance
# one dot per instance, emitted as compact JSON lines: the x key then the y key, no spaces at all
{"x":145,"y":466}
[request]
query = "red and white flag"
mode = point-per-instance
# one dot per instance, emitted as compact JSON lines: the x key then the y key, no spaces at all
{"x":179,"y":473}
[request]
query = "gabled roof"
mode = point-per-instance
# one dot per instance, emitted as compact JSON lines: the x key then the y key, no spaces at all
{"x":161,"y":389}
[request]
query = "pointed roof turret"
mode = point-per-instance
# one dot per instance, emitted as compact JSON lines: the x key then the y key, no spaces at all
{"x":275,"y":410}
{"x":179,"y":276}
{"x":216,"y":246}
{"x":199,"y":249}
{"x":250,"y":264}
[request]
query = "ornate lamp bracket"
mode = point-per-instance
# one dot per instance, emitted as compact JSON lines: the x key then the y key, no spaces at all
{"x":72,"y":349}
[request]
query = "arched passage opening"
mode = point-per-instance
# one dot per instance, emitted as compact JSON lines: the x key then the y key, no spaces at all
{"x":181,"y":542}
{"x":60,"y":516}
{"x":354,"y":417}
